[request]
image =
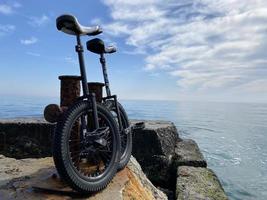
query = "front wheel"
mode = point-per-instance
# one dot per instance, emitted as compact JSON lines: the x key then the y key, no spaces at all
{"x":85,"y":158}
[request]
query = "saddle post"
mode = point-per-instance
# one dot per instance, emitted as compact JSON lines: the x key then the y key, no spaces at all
{"x":79,"y":50}
{"x":105,"y":74}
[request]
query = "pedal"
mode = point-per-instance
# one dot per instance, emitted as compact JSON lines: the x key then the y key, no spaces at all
{"x":127,"y":130}
{"x":97,"y":134}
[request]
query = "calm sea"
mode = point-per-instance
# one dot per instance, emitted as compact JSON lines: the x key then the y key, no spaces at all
{"x":232,"y":136}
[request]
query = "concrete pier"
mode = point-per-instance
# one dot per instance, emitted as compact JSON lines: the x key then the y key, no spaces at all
{"x":170,"y":163}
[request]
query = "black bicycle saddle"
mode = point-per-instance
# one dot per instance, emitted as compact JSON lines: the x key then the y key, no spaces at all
{"x":98,"y":46}
{"x":70,"y":25}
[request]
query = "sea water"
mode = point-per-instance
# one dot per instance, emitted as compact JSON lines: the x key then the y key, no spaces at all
{"x":232,"y":136}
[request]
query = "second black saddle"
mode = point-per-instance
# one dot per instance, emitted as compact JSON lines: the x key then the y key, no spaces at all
{"x":98,"y":46}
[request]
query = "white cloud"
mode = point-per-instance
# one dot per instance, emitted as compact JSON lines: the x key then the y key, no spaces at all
{"x":117,"y":29}
{"x":29,"y":41}
{"x":8,"y":9}
{"x":254,"y":86}
{"x":206,"y":44}
{"x":5,"y":29}
{"x":5,"y":9}
{"x":33,"y":54}
{"x":71,"y":60}
{"x":39,"y":21}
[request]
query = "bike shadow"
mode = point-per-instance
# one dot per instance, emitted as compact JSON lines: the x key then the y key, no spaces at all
{"x":42,"y":184}
{"x":72,"y":194}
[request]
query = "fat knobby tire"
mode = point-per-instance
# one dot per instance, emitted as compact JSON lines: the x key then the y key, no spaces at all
{"x":60,"y":150}
{"x":127,"y":151}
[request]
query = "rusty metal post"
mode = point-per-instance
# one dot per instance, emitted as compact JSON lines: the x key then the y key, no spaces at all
{"x":70,"y":90}
{"x":97,"y":88}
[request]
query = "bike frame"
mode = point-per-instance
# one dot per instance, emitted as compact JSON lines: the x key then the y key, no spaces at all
{"x":86,"y":95}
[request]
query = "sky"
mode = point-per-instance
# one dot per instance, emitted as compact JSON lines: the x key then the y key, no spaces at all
{"x":183,"y":50}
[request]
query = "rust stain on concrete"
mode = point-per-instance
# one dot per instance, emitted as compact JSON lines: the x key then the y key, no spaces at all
{"x":134,"y":189}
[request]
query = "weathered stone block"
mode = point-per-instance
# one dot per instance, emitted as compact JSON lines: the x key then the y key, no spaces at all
{"x":188,"y":153}
{"x":159,"y":170}
{"x":198,"y":183}
{"x":157,"y":138}
{"x":153,"y":147}
{"x":22,"y":138}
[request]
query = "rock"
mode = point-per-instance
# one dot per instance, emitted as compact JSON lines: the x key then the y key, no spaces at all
{"x":198,"y":183}
{"x":12,"y":168}
{"x":24,"y":147}
{"x":188,"y":153}
{"x":153,"y":147}
{"x":160,"y":171}
{"x":25,"y":137}
{"x":157,"y":138}
{"x":143,"y":183}
{"x":17,"y":177}
{"x":170,"y":194}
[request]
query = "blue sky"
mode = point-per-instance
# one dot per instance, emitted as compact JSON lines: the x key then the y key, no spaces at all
{"x":175,"y":50}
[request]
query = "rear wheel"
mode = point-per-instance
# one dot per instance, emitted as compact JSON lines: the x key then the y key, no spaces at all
{"x":86,"y":159}
{"x":125,"y":134}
